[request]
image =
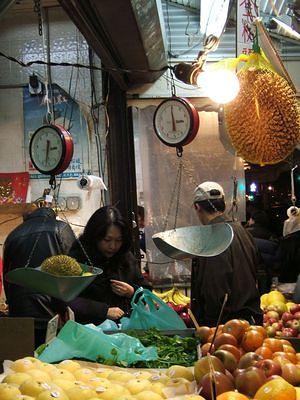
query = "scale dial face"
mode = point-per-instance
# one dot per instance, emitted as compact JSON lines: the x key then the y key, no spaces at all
{"x":176,"y":122}
{"x":51,"y":149}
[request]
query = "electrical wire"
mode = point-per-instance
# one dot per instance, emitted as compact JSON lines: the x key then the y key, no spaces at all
{"x":95,"y":114}
{"x":77,"y":65}
{"x":11,"y":219}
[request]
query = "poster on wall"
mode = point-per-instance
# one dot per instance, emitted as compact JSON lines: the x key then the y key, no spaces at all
{"x":247,"y":12}
{"x":13,"y":187}
{"x":66,"y":113}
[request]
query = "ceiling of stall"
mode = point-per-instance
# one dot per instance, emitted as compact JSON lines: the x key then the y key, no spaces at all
{"x":126,"y":36}
{"x":130,"y":36}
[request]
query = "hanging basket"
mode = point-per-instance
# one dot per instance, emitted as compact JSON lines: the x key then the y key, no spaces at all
{"x":65,"y":288}
{"x":194,"y":241}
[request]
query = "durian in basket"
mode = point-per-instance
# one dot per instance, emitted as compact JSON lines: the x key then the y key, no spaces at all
{"x":263,"y":120}
{"x":61,"y":265}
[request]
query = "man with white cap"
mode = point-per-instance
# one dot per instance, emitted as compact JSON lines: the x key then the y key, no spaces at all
{"x":232,"y":272}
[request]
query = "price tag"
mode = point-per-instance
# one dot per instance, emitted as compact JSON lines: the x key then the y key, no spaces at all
{"x":52,"y":328}
{"x":48,"y":198}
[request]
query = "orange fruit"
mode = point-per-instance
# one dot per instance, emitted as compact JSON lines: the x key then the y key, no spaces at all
{"x":235,"y":327}
{"x":273,"y":344}
{"x":252,"y":340}
{"x":225,"y":338}
{"x":276,"y":389}
{"x":245,"y":323}
{"x":265,"y":352}
{"x":232,"y":396}
{"x":258,"y":328}
{"x":205,"y":348}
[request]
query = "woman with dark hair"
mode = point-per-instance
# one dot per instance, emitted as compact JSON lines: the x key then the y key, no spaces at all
{"x":106,"y":240}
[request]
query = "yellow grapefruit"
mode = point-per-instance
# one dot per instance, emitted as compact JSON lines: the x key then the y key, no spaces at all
{"x":276,"y":389}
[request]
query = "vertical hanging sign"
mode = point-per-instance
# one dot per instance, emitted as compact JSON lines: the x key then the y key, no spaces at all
{"x":247,"y":12}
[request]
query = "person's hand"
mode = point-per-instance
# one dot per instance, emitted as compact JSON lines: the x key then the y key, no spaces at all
{"x":114,"y":313}
{"x":121,"y":288}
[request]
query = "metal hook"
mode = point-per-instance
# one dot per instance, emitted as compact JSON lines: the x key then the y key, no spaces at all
{"x":179,"y":151}
{"x":293,"y":197}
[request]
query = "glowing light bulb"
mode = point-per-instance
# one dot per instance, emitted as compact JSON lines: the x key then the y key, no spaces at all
{"x":222,"y":86}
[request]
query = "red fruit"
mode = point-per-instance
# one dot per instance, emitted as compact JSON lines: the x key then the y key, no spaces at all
{"x":249,"y":381}
{"x":289,"y":332}
{"x":223,"y":384}
{"x":277,"y":325}
{"x":186,"y":319}
{"x":249,"y":360}
{"x":294,"y":324}
{"x":295,"y":308}
{"x":286,"y":316}
{"x":269,"y":367}
{"x":179,"y":308}
{"x":171,"y":305}
{"x":237,"y":372}
{"x":297,"y":315}
{"x":202,"y":367}
{"x":227,"y":358}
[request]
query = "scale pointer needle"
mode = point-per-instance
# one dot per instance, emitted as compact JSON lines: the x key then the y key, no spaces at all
{"x":173,"y":120}
{"x":47,"y":151}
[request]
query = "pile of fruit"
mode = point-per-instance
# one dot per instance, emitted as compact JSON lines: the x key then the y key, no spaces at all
{"x":30,"y":379}
{"x":281,"y":318}
{"x":246,"y":360}
{"x":178,"y":302}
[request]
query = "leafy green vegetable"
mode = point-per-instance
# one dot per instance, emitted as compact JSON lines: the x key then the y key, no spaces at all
{"x":171,"y":350}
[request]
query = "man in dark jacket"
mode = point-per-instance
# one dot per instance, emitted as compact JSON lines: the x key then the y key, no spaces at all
{"x":232,"y":272}
{"x":49,"y":236}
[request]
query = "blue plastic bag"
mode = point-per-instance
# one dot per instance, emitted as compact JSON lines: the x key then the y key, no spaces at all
{"x":149,"y":311}
{"x":79,"y":341}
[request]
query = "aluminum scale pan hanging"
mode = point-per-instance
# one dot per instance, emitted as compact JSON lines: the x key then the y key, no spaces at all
{"x":194,"y":241}
{"x":65,"y":288}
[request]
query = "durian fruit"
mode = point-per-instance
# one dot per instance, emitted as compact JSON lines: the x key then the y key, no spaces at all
{"x":263,"y":120}
{"x":61,"y":265}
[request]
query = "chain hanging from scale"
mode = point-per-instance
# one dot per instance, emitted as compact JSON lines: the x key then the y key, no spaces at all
{"x":37,"y":10}
{"x":174,"y":195}
{"x":179,"y":149}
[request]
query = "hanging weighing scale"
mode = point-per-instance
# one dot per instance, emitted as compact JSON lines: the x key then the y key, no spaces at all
{"x":176,"y":123}
{"x":51,"y":151}
{"x":194,"y":241}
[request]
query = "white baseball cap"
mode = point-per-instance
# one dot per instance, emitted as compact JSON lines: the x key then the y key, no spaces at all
{"x":208,"y":191}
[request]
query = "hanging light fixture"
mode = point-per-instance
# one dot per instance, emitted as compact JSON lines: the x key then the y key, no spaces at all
{"x":189,"y":73}
{"x":219,"y":83}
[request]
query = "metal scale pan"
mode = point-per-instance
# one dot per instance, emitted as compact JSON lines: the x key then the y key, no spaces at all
{"x":194,"y":241}
{"x":65,"y":288}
